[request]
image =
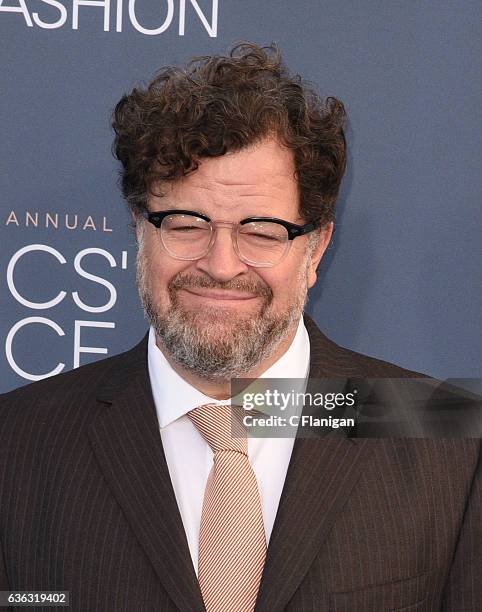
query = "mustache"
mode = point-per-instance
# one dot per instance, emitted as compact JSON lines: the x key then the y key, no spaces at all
{"x":190,"y":281}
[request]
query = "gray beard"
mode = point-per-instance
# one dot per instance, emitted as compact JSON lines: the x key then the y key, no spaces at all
{"x":232,"y":354}
{"x":218,"y":343}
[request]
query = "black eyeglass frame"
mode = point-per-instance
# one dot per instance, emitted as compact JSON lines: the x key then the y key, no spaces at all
{"x":294,"y":230}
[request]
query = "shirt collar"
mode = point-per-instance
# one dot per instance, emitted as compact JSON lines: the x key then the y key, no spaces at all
{"x":174,"y":397}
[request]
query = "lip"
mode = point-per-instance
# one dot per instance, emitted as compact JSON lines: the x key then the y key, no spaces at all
{"x":230,"y":296}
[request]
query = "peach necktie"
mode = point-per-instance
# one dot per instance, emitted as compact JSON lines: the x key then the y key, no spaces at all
{"x":232,"y":544}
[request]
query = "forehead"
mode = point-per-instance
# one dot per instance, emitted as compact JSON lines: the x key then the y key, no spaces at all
{"x":259,"y":180}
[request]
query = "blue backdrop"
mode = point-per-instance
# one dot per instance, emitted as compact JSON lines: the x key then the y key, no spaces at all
{"x":400,"y":281}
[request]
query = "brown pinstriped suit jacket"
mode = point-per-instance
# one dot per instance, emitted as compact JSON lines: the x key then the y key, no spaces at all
{"x":86,"y":505}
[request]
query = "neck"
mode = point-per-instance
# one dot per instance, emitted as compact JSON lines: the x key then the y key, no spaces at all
{"x":220,"y":389}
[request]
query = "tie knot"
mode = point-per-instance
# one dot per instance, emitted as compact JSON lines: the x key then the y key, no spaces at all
{"x":221,"y":426}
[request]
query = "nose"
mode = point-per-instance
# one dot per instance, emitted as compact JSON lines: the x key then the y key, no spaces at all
{"x":221,"y":262}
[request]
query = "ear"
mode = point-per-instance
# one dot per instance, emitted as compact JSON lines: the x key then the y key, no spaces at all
{"x":325,"y":234}
{"x":136,"y":224}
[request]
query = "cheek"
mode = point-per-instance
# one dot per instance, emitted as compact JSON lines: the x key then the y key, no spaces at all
{"x":163,"y":271}
{"x":279,"y":284}
{"x":288,"y":283}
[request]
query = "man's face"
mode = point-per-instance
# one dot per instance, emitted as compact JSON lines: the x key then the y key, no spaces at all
{"x":219,"y":317}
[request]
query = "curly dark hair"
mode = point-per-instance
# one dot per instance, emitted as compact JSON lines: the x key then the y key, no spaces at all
{"x":217,"y":104}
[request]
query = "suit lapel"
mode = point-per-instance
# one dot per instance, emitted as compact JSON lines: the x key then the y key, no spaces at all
{"x":320,"y":477}
{"x":126,"y":441}
{"x":321,"y":474}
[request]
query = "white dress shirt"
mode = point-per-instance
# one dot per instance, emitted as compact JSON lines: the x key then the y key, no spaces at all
{"x":190,"y":458}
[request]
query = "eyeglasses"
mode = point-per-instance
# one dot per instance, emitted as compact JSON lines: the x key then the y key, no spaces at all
{"x":258,"y":241}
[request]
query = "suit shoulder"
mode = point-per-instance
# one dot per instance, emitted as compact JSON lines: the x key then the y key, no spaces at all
{"x":67,"y":388}
{"x":368,"y":366}
{"x":340,"y":361}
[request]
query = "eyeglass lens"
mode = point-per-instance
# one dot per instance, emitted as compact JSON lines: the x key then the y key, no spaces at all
{"x":258,"y":242}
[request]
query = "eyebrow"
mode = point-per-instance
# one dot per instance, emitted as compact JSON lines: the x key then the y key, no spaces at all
{"x":170,"y":205}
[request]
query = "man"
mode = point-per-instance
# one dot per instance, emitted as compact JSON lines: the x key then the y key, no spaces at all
{"x":120,"y":482}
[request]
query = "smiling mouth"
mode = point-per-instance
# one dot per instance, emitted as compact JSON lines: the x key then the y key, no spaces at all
{"x":220,"y":295}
